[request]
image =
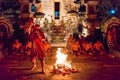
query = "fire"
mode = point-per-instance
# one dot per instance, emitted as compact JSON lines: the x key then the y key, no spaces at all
{"x":62,"y":66}
{"x":62,"y":59}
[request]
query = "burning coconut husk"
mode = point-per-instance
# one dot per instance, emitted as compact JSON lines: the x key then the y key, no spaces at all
{"x":62,"y":66}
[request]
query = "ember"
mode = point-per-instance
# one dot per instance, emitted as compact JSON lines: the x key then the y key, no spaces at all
{"x":62,"y":66}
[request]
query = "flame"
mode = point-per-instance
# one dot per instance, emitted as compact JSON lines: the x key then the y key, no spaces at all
{"x":62,"y":59}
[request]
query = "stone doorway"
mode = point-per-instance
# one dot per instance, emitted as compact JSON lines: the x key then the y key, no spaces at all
{"x":112,"y":27}
{"x":6,"y":30}
{"x":115,"y":33}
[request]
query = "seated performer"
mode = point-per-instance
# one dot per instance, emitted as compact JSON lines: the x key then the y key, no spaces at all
{"x":88,"y":48}
{"x":98,"y":48}
{"x":17,"y":47}
{"x":28,"y":47}
{"x":76,"y":48}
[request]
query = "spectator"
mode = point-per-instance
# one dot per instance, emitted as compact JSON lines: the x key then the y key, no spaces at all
{"x":98,"y":48}
{"x":76,"y":47}
{"x":17,"y":47}
{"x":88,"y":48}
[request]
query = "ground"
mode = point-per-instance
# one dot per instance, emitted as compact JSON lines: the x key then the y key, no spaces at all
{"x":99,"y":67}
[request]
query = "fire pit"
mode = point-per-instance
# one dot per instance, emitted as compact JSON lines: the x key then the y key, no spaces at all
{"x":62,"y":66}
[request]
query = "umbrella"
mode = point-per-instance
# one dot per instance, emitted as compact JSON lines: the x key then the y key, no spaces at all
{"x":72,"y":12}
{"x":77,"y":1}
{"x":39,"y":15}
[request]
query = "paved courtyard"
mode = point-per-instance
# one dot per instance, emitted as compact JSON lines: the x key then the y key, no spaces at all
{"x":99,"y":67}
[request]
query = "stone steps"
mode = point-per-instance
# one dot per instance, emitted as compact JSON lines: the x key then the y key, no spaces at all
{"x":58,"y":34}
